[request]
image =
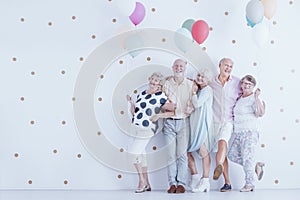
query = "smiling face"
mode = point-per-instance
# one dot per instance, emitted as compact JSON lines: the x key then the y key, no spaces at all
{"x":155,"y":81}
{"x":225,"y":67}
{"x":179,"y":67}
{"x":201,"y":79}
{"x":248,"y":84}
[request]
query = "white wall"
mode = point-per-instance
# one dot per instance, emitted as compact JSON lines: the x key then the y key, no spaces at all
{"x":40,"y":147}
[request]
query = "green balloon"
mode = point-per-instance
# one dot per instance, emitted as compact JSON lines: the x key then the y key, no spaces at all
{"x":188,"y":24}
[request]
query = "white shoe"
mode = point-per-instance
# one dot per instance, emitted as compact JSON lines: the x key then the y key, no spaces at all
{"x":247,"y":189}
{"x":194,"y":181}
{"x":204,"y":186}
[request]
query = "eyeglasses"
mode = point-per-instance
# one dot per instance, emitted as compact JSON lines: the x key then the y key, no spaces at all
{"x":248,"y":83}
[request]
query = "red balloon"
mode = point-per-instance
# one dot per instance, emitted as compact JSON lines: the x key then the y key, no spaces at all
{"x":200,"y":31}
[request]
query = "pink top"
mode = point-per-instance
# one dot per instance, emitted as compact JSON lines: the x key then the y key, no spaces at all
{"x":225,"y":98}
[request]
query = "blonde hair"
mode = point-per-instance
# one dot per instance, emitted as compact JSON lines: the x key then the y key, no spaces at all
{"x":206,"y":73}
{"x":159,"y":76}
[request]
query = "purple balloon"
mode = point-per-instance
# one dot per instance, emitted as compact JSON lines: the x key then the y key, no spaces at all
{"x":138,"y":14}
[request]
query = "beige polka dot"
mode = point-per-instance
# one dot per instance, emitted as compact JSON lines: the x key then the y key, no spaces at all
{"x":16,"y":155}
{"x":32,"y":73}
{"x":114,"y":20}
{"x":98,"y":133}
{"x":281,"y":110}
{"x":135,"y":91}
{"x":81,"y":58}
{"x":293,"y":70}
{"x":73,"y":17}
{"x":101,"y":76}
{"x":121,"y":150}
{"x":79,"y":155}
{"x":274,"y":22}
{"x":154,"y":148}
{"x":93,"y":36}
{"x":100,"y":99}
{"x":148,"y":58}
{"x":254,"y":64}
{"x":233,"y":41}
{"x":291,"y":163}
{"x":32,"y":122}
{"x":297,"y":120}
{"x":29,"y":182}
{"x":73,"y":98}
{"x":66,"y":182}
{"x":153,"y":9}
{"x":63,"y":72}
{"x":291,"y":2}
{"x":272,"y":42}
{"x":14,"y":59}
{"x":163,"y":39}
{"x":119,"y":176}
{"x":276,"y":181}
{"x":226,"y":13}
{"x":22,"y":98}
{"x":55,"y":151}
{"x":22,"y":19}
{"x":121,"y":62}
{"x":283,"y":138}
{"x":50,"y":24}
{"x":203,"y":48}
{"x":63,"y":122}
{"x":122,"y":112}
{"x":211,"y":28}
{"x":262,"y":145}
{"x":195,"y":1}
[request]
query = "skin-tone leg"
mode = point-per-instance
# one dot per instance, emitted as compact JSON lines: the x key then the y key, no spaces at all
{"x":221,"y":158}
{"x":205,"y":161}
{"x":191,"y":164}
{"x":145,"y":176}
{"x":140,"y":174}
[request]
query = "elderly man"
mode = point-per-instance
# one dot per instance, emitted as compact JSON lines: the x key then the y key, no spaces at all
{"x":226,"y":90}
{"x":179,"y":91}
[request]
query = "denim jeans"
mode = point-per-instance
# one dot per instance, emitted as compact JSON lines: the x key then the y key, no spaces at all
{"x":176,"y":133}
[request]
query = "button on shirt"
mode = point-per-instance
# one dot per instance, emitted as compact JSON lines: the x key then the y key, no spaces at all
{"x":181,"y":94}
{"x":225,"y":98}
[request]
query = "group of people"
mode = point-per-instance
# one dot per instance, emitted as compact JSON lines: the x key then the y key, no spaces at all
{"x":201,"y":116}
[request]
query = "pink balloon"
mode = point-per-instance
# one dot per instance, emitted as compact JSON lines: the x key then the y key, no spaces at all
{"x":200,"y":31}
{"x":138,"y":14}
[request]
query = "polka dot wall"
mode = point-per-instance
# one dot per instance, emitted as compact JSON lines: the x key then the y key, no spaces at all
{"x":45,"y":44}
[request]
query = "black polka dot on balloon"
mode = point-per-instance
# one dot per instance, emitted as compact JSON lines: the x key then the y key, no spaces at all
{"x":156,"y":110}
{"x":139,"y":116}
{"x":143,"y":105}
{"x":136,"y":110}
{"x":148,"y":112}
{"x":138,"y":100}
{"x":148,"y":96}
{"x":162,"y":101}
{"x":144,"y":92}
{"x":145,"y":123}
{"x":132,"y":120}
{"x":158,"y":93}
{"x":152,"y":101}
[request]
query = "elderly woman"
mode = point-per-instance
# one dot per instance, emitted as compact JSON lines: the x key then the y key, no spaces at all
{"x":246,"y":133}
{"x":148,"y":103}
{"x":200,"y":138}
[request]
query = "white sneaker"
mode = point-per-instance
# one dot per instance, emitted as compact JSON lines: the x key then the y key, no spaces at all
{"x":247,"y":189}
{"x":194,"y":181}
{"x":204,"y":186}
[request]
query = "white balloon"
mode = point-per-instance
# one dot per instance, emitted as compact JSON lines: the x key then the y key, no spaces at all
{"x":261,"y":34}
{"x":255,"y":11}
{"x":183,"y":39}
{"x":126,"y":7}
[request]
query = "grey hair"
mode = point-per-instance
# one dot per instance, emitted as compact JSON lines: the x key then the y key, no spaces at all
{"x":250,"y":79}
{"x":180,"y":59}
{"x":223,"y":59}
{"x":159,"y":76}
{"x":206,"y":73}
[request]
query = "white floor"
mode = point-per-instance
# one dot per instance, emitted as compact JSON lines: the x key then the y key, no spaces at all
{"x":292,"y":194}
